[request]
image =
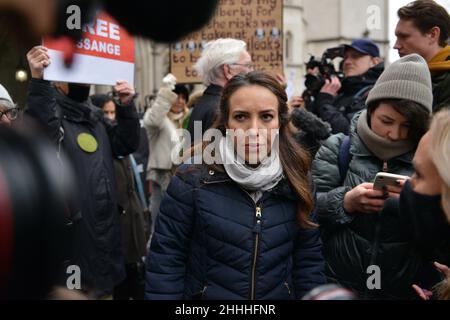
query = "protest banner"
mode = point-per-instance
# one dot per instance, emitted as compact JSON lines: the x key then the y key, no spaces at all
{"x":104,"y":55}
{"x":258,"y":22}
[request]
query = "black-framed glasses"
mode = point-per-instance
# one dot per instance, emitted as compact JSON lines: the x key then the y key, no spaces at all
{"x":250,"y":66}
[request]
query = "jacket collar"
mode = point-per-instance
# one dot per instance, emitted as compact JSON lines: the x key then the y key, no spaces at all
{"x":354,"y":84}
{"x":217,"y":175}
{"x":214,"y":90}
{"x":441,"y":61}
{"x":76,"y":111}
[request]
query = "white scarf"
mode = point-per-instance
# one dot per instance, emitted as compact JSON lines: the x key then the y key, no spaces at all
{"x":176,"y":118}
{"x":265,"y":177}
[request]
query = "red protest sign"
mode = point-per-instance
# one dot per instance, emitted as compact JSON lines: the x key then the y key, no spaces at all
{"x":104,"y":55}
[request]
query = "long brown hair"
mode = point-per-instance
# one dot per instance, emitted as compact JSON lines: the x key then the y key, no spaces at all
{"x":295,"y":161}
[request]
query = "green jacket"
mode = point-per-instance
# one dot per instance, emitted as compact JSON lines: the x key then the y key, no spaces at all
{"x":354,"y":242}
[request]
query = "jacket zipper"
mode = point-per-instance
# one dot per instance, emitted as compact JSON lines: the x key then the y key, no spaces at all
{"x":374,"y":249}
{"x":203,"y":292}
{"x":287,"y":287}
{"x":376,"y":241}
{"x":385,"y":166}
{"x":257,"y":232}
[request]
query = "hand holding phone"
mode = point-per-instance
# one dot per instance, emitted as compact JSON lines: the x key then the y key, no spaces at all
{"x":390,"y":183}
{"x":363,"y":199}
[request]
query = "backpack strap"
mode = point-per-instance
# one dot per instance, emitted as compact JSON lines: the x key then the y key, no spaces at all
{"x":361,"y":95}
{"x":344,"y":158}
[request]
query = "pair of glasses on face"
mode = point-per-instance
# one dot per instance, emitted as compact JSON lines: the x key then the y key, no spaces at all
{"x":10,"y":110}
{"x":249,"y":66}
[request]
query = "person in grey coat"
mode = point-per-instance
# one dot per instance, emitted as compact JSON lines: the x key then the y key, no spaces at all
{"x":360,"y":225}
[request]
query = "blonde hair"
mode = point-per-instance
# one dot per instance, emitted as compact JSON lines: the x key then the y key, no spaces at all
{"x":440,"y":155}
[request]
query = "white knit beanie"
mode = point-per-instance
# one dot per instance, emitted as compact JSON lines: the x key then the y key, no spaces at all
{"x":4,"y":95}
{"x":407,"y":78}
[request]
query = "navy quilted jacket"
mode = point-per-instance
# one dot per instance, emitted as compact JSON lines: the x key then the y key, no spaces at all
{"x":212,"y":241}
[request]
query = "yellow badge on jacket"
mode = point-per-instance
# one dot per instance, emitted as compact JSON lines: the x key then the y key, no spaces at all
{"x":87,"y":142}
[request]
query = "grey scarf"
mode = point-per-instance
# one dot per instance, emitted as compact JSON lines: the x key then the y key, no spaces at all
{"x":265,"y":177}
{"x":382,"y":148}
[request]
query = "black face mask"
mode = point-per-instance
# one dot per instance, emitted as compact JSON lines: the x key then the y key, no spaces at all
{"x":78,"y":92}
{"x":424,"y":214}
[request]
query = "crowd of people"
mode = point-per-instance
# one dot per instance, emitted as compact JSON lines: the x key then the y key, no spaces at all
{"x":274,"y":199}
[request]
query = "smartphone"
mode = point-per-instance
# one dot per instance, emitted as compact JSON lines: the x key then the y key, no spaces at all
{"x":384,"y":179}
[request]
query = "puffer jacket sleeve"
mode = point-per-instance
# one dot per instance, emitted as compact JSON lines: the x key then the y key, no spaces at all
{"x":309,"y":264}
{"x":166,"y":262}
{"x":330,"y":193}
{"x":155,"y":115}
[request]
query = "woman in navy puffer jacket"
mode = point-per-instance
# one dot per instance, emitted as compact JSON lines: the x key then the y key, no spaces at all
{"x":240,"y":228}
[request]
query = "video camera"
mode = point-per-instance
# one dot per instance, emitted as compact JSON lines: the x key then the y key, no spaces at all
{"x":314,"y":82}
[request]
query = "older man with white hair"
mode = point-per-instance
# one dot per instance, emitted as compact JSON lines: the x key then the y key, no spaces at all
{"x":221,"y":60}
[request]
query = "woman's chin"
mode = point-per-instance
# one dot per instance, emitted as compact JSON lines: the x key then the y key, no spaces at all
{"x":255,"y":158}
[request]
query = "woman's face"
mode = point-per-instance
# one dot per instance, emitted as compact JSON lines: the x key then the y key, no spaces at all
{"x":109,"y":110}
{"x":389,"y":124}
{"x":253,"y":111}
{"x":426,"y":179}
{"x":179,"y":105}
